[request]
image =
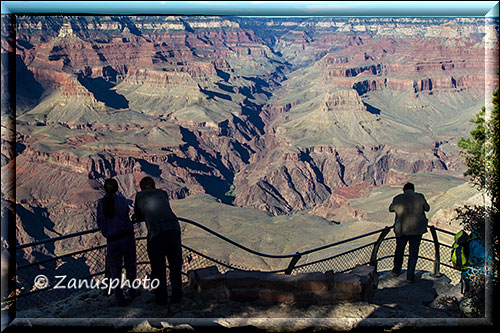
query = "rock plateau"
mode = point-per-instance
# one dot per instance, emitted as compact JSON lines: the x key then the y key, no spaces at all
{"x":277,"y":114}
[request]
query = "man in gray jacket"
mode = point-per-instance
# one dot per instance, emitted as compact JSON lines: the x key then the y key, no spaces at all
{"x":409,"y":226}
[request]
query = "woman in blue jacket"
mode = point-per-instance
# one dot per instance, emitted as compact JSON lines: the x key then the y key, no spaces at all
{"x":115,"y":224}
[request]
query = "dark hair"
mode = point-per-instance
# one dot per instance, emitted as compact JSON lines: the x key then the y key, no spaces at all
{"x":409,"y":186}
{"x":147,"y":183}
{"x":108,"y":202}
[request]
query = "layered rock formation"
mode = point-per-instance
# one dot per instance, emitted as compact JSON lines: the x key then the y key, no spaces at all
{"x":280,"y":115}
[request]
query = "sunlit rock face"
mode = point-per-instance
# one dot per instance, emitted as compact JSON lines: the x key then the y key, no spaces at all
{"x":280,"y":115}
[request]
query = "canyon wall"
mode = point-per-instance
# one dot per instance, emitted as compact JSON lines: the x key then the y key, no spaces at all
{"x":280,"y":115}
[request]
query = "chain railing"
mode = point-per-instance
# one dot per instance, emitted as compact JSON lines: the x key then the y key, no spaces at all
{"x":374,"y":248}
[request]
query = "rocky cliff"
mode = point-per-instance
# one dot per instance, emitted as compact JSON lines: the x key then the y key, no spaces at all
{"x":281,"y":115}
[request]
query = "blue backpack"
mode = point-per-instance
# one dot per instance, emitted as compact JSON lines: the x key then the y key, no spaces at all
{"x":460,"y":250}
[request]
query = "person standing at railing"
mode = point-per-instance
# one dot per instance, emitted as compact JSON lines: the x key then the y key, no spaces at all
{"x":114,"y":222}
{"x":409,"y":226}
{"x":164,"y":238}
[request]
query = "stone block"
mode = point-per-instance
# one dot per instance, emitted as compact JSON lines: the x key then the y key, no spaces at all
{"x":207,"y":271}
{"x":330,"y":278}
{"x":277,"y":281}
{"x":195,"y":274}
{"x":311,"y":282}
{"x":220,"y":293}
{"x":340,"y":297}
{"x":348,"y":284}
{"x":311,"y":288}
{"x":206,"y":282}
{"x":192,"y":280}
{"x":243,"y":294}
{"x":276,"y":296}
{"x":369,"y":281}
{"x":243,"y":279}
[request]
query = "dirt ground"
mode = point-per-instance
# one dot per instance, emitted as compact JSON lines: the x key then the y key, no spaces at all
{"x":397,"y":302}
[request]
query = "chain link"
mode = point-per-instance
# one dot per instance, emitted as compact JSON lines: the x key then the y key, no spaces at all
{"x":91,"y":264}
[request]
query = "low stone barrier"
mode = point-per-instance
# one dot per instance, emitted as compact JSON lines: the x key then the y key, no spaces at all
{"x":359,"y":284}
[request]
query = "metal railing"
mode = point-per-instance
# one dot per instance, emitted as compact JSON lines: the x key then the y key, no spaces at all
{"x":88,"y":263}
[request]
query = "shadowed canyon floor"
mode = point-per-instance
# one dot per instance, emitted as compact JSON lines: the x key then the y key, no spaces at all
{"x":278,"y":114}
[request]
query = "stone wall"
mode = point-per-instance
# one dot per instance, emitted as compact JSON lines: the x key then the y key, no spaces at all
{"x":358,"y":285}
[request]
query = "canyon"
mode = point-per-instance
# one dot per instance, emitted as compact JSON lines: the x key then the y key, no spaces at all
{"x":305,"y":118}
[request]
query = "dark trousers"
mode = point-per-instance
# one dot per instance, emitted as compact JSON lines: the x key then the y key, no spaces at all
{"x":166,"y":244}
{"x":401,"y":242}
{"x":121,"y":252}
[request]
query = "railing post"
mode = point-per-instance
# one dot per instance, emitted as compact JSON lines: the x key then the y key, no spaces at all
{"x":292,"y":263}
{"x":437,"y":256}
{"x":373,"y":258}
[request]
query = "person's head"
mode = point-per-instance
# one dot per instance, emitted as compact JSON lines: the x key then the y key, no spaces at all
{"x":108,"y":202}
{"x":110,"y":186}
{"x":408,"y":186}
{"x":147,"y":183}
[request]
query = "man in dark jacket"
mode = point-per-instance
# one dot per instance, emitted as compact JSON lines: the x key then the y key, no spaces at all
{"x":164,"y":239}
{"x":409,"y":226}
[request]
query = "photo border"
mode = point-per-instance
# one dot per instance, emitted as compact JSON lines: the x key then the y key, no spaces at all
{"x":13,"y":8}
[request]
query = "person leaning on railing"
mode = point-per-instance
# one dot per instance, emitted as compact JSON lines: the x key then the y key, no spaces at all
{"x":164,"y":238}
{"x":409,"y":226}
{"x":114,"y":222}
